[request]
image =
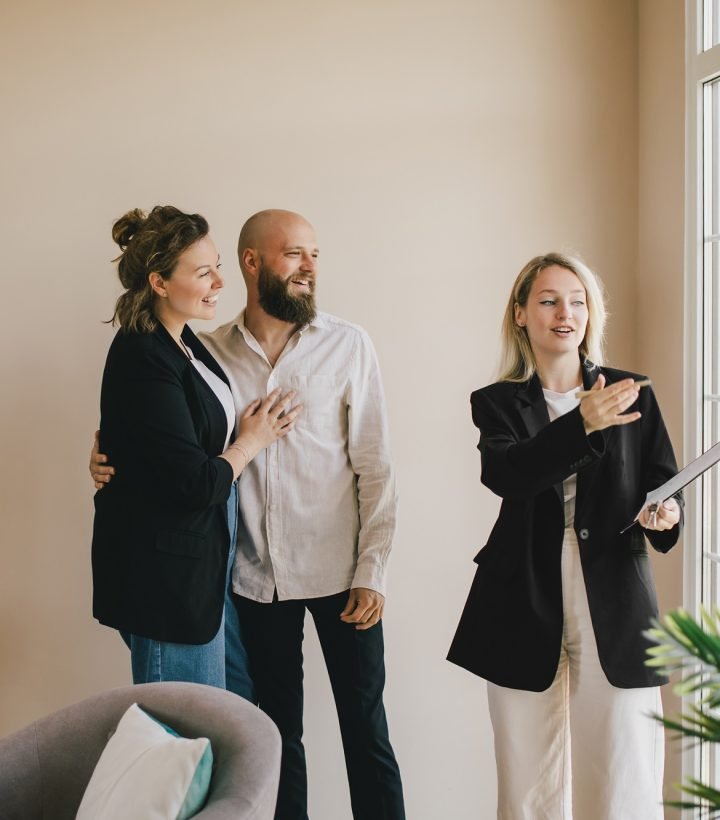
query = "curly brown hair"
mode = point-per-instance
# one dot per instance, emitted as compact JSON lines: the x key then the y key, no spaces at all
{"x":150,"y":243}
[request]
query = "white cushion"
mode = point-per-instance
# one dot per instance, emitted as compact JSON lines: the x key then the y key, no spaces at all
{"x":148,"y":772}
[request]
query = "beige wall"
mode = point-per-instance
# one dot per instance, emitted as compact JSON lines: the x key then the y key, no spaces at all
{"x":436,"y":147}
{"x":659,"y":282}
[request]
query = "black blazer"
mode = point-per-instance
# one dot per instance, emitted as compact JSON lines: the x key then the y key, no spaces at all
{"x":160,"y":538}
{"x":511,"y":628}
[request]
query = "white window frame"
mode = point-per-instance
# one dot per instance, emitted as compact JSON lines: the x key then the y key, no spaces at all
{"x":701,"y":66}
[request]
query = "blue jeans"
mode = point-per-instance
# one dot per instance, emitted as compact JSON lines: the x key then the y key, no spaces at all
{"x":222,"y":662}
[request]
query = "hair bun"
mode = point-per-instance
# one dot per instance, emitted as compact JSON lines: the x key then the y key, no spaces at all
{"x":127,"y":226}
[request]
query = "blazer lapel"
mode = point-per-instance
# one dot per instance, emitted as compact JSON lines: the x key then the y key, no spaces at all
{"x":531,"y":405}
{"x":203,"y":354}
{"x":534,"y":413}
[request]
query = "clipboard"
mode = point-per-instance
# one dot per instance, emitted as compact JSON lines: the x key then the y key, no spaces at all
{"x":687,"y":475}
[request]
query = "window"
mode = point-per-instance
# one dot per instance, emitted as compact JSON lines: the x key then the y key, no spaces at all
{"x":702,"y":394}
{"x":711,"y":24}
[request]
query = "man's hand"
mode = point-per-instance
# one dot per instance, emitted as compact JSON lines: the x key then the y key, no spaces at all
{"x":99,"y":472}
{"x":364,"y":608}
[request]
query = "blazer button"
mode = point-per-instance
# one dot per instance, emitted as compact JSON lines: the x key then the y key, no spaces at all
{"x":584,"y":534}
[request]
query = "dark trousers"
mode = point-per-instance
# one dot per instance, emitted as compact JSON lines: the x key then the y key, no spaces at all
{"x":273,"y":635}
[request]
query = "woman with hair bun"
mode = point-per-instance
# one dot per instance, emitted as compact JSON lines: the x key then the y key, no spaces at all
{"x":555,"y":617}
{"x":163,"y":536}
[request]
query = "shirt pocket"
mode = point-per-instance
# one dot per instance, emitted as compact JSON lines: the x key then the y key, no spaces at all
{"x":323,"y":401}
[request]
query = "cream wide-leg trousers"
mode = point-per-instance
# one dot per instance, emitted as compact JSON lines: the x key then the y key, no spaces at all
{"x":582,"y":749}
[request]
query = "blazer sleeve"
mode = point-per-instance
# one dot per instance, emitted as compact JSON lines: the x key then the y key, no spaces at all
{"x":515,"y":467}
{"x":658,"y":465}
{"x":157,"y":438}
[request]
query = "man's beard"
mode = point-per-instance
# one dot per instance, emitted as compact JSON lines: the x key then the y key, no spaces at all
{"x":276,"y":299}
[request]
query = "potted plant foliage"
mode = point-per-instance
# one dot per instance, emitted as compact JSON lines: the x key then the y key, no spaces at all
{"x":692,"y":648}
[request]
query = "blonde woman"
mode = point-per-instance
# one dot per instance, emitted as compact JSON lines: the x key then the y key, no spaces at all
{"x":555,"y":617}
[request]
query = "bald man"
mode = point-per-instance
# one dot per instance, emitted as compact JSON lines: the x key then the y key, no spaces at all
{"x":317,"y":512}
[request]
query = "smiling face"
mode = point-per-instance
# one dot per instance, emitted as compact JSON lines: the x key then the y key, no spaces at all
{"x":192,"y":290}
{"x":555,"y":315}
{"x":282,"y":261}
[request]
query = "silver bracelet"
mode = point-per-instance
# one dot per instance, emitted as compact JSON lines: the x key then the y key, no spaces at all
{"x":240,"y":448}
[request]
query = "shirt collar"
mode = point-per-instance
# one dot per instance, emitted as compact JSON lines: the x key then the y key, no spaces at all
{"x":319,"y":321}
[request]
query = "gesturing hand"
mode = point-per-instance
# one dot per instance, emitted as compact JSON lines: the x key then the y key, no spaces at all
{"x":364,"y":608}
{"x":605,"y":406}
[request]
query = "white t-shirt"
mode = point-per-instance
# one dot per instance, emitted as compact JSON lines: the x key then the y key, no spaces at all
{"x":220,"y":389}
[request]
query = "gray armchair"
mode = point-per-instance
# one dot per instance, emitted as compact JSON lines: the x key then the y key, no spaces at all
{"x":45,"y":767}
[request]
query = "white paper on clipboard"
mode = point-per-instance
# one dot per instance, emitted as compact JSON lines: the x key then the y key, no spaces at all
{"x":686,"y":476}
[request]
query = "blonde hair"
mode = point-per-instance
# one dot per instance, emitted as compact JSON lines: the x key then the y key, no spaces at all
{"x":517,"y":361}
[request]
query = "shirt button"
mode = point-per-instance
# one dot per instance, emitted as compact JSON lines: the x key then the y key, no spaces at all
{"x":584,"y":534}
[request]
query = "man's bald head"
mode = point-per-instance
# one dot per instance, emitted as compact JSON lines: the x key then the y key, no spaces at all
{"x":273,"y":224}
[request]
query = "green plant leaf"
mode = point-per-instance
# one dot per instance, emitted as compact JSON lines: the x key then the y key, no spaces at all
{"x":692,"y":648}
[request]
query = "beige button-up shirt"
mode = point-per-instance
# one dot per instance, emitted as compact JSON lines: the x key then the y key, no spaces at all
{"x":317,"y":508}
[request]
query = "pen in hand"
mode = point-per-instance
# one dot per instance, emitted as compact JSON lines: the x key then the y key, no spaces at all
{"x":581,"y":394}
{"x":652,"y":522}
